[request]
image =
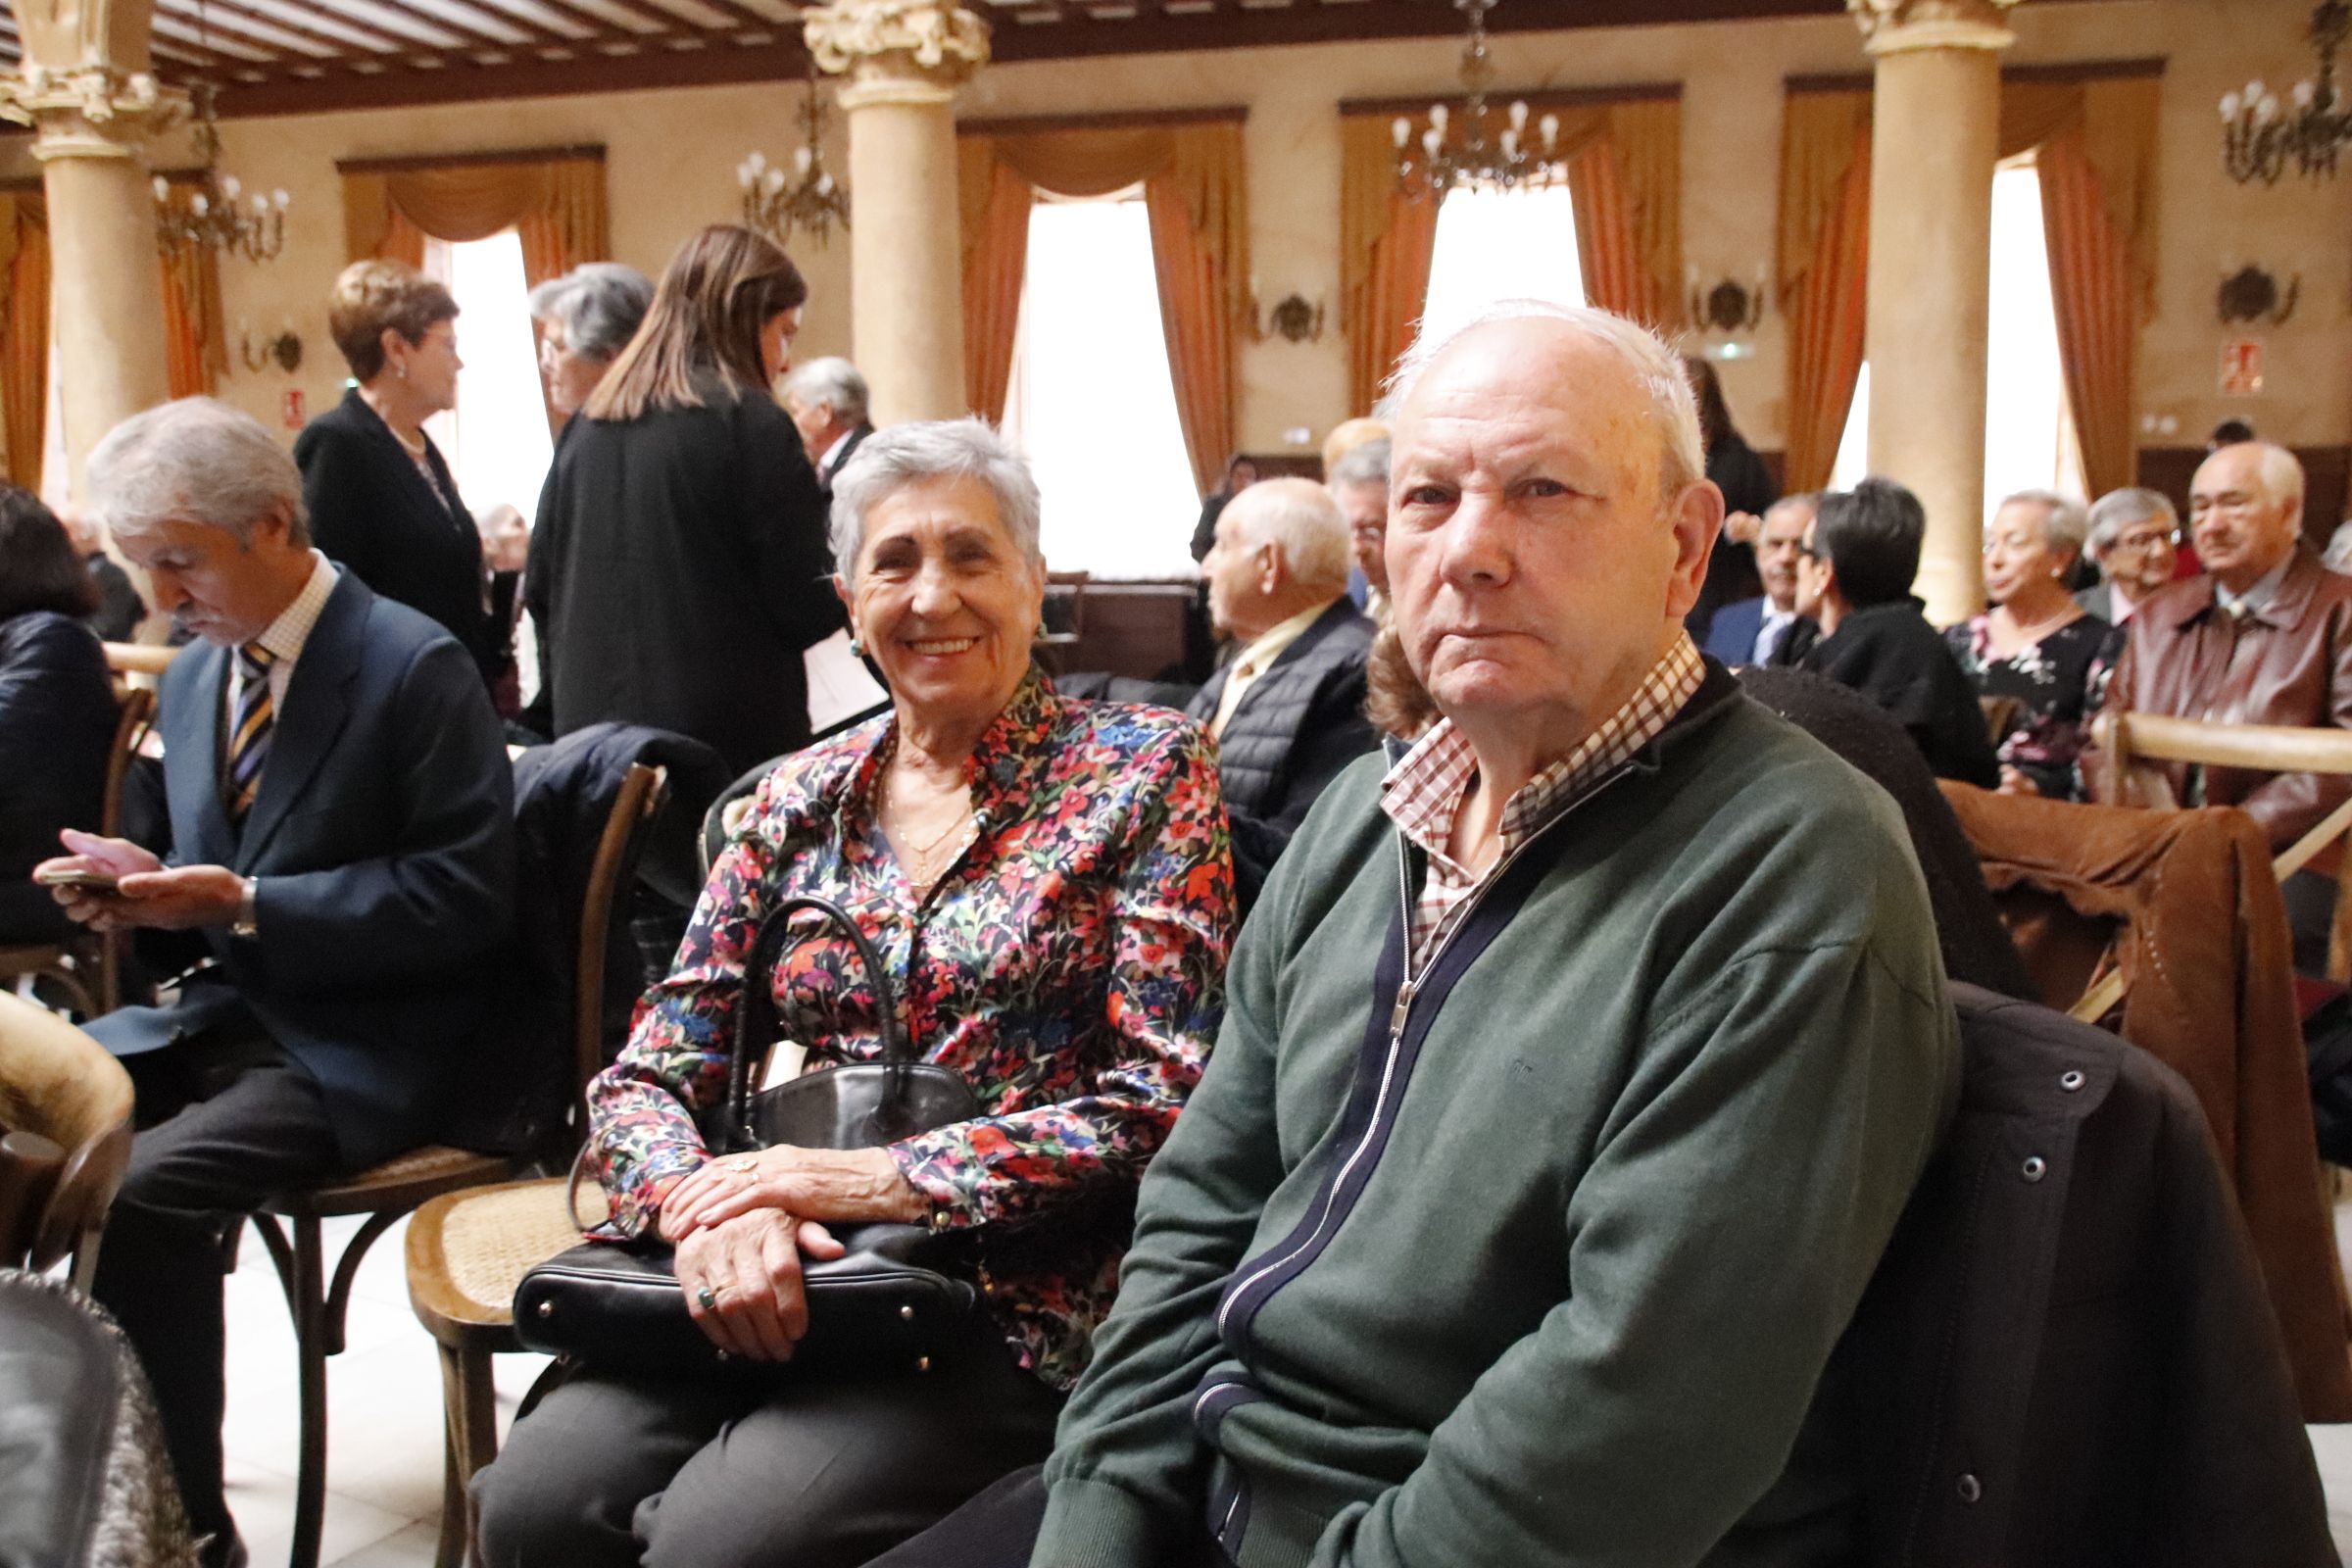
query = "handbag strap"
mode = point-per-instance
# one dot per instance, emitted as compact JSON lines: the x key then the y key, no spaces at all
{"x":755,"y":1018}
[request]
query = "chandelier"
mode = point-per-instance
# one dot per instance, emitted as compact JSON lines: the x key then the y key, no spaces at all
{"x":2258,"y":135}
{"x":1479,"y":156}
{"x":214,"y":216}
{"x":776,"y":202}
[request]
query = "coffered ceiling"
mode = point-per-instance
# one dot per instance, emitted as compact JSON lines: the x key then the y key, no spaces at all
{"x":274,"y":57}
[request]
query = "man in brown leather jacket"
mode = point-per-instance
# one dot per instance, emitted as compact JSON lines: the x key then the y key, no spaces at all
{"x":2263,"y":637}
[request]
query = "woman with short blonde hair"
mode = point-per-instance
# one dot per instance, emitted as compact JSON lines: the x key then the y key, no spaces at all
{"x":381,"y":499}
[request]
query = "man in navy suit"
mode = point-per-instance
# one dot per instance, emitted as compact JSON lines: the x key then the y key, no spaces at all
{"x":340,"y":811}
{"x":1750,"y":631}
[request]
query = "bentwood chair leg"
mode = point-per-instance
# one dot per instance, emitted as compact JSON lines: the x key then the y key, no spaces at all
{"x":470,"y":1402}
{"x":309,"y":1347}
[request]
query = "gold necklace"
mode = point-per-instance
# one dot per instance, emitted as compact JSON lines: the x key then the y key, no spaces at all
{"x":923,"y":877}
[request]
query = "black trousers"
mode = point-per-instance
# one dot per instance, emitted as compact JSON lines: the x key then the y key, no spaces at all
{"x":999,"y":1529}
{"x":222,"y":1124}
{"x":612,"y":1472}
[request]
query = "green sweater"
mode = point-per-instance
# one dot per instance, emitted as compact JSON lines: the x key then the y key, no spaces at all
{"x":1551,"y":1277}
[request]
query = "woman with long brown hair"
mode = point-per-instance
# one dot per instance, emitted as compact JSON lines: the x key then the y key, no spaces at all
{"x":679,"y":565}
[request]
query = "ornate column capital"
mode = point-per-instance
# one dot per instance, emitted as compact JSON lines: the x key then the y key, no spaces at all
{"x":896,"y":51}
{"x":84,"y":82}
{"x":1894,"y":26}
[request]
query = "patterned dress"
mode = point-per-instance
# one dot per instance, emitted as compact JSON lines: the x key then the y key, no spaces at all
{"x":1070,"y":965}
{"x":2058,"y":683}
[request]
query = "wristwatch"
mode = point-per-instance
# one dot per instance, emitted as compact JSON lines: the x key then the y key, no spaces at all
{"x":246,"y":910}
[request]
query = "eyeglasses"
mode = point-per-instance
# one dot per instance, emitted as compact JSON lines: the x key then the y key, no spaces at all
{"x":2146,"y":543}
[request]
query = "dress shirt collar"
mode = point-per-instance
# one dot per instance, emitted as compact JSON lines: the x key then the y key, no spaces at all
{"x":831,"y":460}
{"x":1423,"y":793}
{"x":2260,"y":596}
{"x":285,"y":636}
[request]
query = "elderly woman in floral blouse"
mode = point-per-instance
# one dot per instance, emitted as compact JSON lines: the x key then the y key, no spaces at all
{"x":2037,"y":644}
{"x":1048,"y":884}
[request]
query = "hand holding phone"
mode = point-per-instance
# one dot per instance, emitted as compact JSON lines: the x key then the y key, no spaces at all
{"x":73,"y":876}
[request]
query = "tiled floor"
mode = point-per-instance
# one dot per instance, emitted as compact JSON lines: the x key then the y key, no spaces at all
{"x":383,"y":1473}
{"x":384,"y":1505}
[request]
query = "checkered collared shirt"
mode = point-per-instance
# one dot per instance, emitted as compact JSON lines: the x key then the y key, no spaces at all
{"x":1423,"y":793}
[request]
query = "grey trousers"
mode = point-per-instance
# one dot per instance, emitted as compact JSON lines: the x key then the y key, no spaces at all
{"x":610,"y":1472}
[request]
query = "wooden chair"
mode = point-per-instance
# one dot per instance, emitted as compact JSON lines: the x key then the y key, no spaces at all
{"x":89,"y":968}
{"x":2127,"y":740}
{"x":139,"y":659}
{"x":60,"y":1083}
{"x":2000,"y":716}
{"x":389,"y":1192}
{"x":467,"y":1250}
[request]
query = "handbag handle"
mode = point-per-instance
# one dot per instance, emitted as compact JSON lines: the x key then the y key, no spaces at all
{"x":759,"y":1008}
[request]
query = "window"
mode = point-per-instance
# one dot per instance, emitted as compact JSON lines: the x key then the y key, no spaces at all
{"x":496,"y":438}
{"x":1495,"y":245}
{"x":2029,"y":441}
{"x":1091,"y":400}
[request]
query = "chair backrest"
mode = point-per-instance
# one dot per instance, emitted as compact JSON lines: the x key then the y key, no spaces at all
{"x":60,"y":1083}
{"x":139,"y":659}
{"x":2000,"y":716}
{"x":642,"y":793}
{"x":1065,"y":609}
{"x":130,"y":728}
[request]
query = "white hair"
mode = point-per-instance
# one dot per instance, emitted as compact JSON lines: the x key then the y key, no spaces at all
{"x":600,"y":304}
{"x":1300,"y":515}
{"x":2064,"y":525}
{"x":903,"y":455}
{"x":197,"y":460}
{"x":1366,"y":462}
{"x":2117,"y":510}
{"x":1674,"y":406}
{"x":2281,"y":473}
{"x":832,"y":382}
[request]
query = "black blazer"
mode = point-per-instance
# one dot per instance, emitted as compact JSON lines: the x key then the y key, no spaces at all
{"x":373,"y":513}
{"x":1890,"y":654}
{"x":678,"y":568}
{"x":384,"y":839}
{"x":56,"y":726}
{"x":1298,"y":724}
{"x":848,"y":448}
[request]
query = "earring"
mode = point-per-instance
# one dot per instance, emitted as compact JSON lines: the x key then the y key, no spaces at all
{"x":857,"y":648}
{"x":401,"y":371}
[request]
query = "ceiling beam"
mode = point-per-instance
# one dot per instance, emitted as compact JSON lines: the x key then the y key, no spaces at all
{"x":784,"y":63}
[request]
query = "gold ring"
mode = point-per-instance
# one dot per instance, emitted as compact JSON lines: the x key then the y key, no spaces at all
{"x":749,"y":1165}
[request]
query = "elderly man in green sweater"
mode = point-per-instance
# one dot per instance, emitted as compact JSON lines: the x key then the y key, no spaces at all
{"x":1576,"y":1064}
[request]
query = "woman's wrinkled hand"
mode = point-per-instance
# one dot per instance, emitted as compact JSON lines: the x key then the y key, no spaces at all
{"x":822,"y":1184}
{"x":2014,"y":781}
{"x":743,"y":1285}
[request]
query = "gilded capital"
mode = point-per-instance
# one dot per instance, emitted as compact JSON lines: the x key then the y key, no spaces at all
{"x":1891,"y":25}
{"x":935,"y":42}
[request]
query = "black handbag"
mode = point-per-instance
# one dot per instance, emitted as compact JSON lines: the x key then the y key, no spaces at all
{"x":893,"y":1298}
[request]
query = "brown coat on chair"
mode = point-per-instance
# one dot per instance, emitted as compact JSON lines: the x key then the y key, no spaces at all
{"x":2201,"y":935}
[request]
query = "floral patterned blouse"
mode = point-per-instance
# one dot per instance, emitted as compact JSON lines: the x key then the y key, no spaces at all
{"x":1070,"y":965}
{"x":2058,"y":683}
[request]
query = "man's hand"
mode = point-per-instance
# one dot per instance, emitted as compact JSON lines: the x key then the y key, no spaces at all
{"x":742,"y":1281}
{"x":145,"y":893}
{"x":2015,"y":782}
{"x":1742,"y":527}
{"x":825,"y":1184}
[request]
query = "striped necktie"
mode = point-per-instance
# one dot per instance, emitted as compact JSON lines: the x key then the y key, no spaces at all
{"x":249,"y":734}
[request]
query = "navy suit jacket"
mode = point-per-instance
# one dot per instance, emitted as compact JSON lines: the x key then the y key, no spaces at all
{"x":1731,"y":634}
{"x":383,"y":842}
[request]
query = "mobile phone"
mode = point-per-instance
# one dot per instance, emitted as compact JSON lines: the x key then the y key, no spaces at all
{"x":73,"y":878}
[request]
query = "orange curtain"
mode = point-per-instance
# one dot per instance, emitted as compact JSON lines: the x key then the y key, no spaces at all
{"x":1627,"y":183}
{"x":1199,"y":215}
{"x":1195,"y":194}
{"x":996,"y":256}
{"x":1825,"y":272}
{"x":195,"y":340}
{"x":2096,"y":303}
{"x":555,"y":203}
{"x":1386,"y":237}
{"x":24,"y":335}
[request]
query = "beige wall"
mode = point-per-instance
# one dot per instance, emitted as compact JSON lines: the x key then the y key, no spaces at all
{"x":672,"y":156}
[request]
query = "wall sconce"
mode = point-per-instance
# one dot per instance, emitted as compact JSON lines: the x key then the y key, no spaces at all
{"x":2251,"y":294}
{"x":1293,"y":320}
{"x":1729,"y":305}
{"x":285,"y":350}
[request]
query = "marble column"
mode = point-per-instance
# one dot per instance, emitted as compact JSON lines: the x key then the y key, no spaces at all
{"x":85,"y":88}
{"x":904,"y":60}
{"x":1934,"y":132}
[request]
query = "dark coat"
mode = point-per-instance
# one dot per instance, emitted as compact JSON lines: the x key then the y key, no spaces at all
{"x":372,"y":513}
{"x":383,"y":842}
{"x":119,"y":606}
{"x":1731,"y":573}
{"x":56,"y":726}
{"x":2066,"y":1359}
{"x":849,"y":450}
{"x":1296,"y":726}
{"x":1890,"y":654}
{"x":678,"y":570}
